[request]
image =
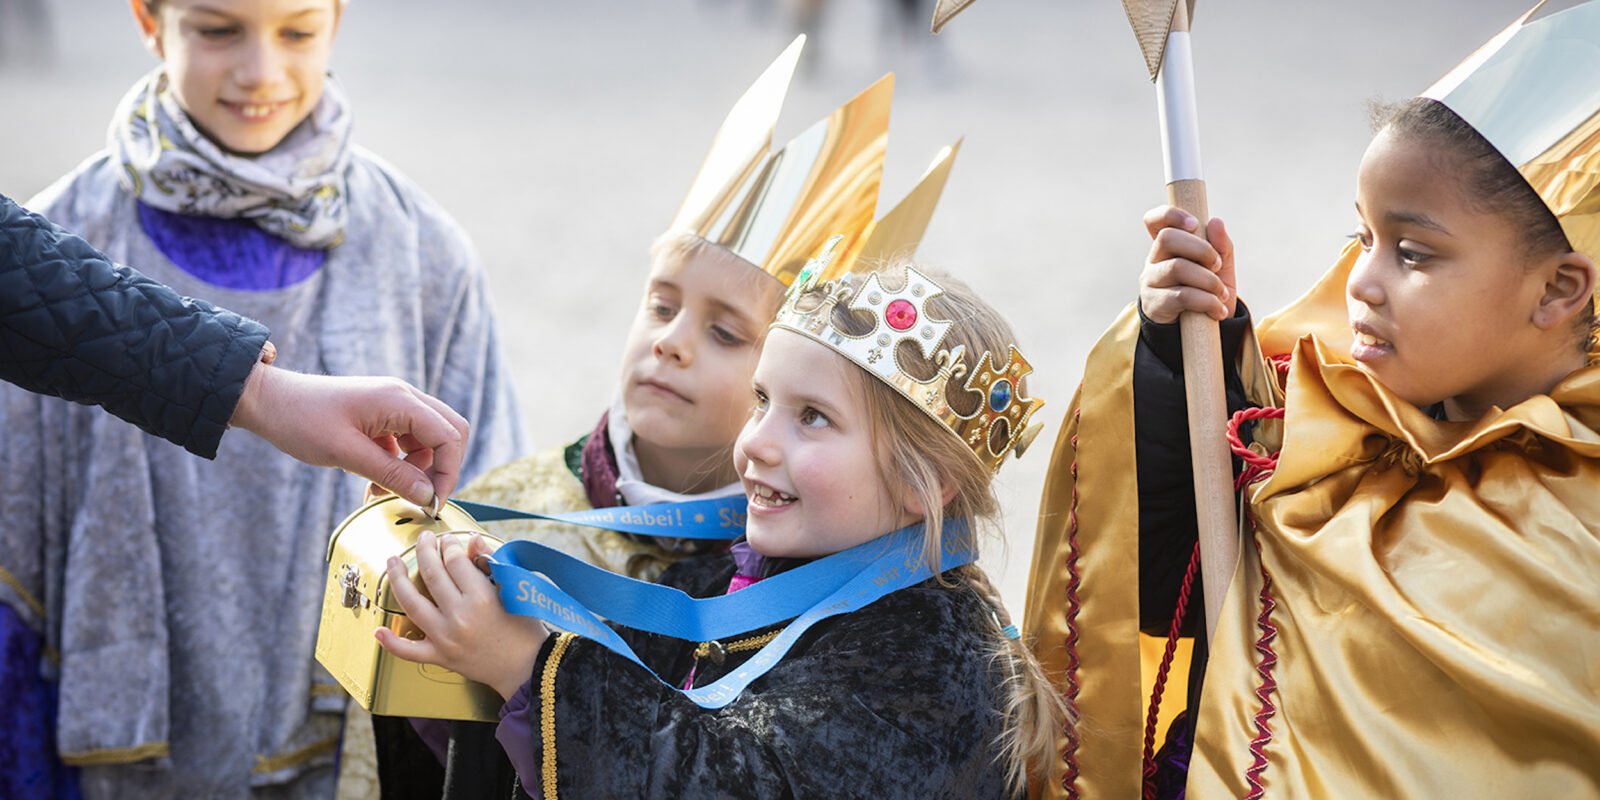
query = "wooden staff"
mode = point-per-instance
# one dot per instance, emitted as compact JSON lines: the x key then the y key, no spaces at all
{"x":1162,"y":28}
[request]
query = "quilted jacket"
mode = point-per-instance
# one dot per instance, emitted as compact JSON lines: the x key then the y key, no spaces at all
{"x":76,"y":325}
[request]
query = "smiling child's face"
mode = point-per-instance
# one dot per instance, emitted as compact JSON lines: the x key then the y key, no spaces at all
{"x":1442,"y":299}
{"x":807,"y":456}
{"x":245,"y":71}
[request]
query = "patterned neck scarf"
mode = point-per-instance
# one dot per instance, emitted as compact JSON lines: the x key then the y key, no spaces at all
{"x":294,"y":191}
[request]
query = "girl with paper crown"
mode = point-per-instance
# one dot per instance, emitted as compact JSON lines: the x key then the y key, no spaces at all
{"x":1416,"y":611}
{"x":717,"y":275}
{"x":879,"y":663}
{"x":230,"y":174}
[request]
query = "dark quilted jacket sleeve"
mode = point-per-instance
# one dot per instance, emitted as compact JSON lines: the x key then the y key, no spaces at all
{"x":76,"y":325}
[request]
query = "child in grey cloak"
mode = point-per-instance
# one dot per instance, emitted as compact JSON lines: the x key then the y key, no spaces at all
{"x":137,"y":580}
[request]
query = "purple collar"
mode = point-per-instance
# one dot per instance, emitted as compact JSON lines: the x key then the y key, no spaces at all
{"x":750,"y":566}
{"x":598,"y":467}
{"x":230,"y":253}
{"x":746,"y":562}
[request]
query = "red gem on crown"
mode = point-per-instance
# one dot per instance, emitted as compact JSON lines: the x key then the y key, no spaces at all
{"x":900,"y":314}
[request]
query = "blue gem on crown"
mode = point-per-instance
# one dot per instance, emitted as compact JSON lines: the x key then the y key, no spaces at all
{"x":1000,"y":395}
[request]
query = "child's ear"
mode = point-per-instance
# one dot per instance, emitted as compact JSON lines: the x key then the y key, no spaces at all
{"x":913,"y":504}
{"x":1568,"y":289}
{"x":149,"y":27}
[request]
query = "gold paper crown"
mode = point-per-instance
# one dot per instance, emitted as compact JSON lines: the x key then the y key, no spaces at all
{"x":999,"y":424}
{"x":774,"y":209}
{"x":1533,"y":93}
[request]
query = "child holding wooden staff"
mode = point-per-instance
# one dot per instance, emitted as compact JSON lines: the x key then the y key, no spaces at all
{"x":1415,"y":612}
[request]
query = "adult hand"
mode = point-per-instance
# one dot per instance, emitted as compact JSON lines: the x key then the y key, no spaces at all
{"x":1186,"y":272}
{"x":359,"y":425}
{"x":466,"y":628}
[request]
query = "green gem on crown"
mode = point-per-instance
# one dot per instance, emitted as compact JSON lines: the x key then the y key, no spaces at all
{"x":806,"y":273}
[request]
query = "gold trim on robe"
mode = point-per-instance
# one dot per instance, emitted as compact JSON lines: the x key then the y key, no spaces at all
{"x":1083,"y":589}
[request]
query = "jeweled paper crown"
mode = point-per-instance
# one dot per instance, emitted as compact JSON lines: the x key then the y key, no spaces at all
{"x":1532,"y":92}
{"x":774,"y":209}
{"x":999,"y":422}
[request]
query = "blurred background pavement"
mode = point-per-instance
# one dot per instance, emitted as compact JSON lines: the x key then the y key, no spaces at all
{"x":563,"y":136}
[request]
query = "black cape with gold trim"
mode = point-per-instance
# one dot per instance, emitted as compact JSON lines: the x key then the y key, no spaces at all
{"x":897,"y":699}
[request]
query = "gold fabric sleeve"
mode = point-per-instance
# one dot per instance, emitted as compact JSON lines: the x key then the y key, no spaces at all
{"x":1082,"y":612}
{"x":1320,"y":312}
{"x":1083,"y":591}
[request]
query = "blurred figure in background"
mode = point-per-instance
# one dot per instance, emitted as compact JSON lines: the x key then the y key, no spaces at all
{"x":902,"y":31}
{"x":807,"y":21}
{"x":26,"y":35}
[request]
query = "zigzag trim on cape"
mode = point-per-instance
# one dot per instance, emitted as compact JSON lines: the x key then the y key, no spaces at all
{"x":1268,"y":685}
{"x":1069,"y":753}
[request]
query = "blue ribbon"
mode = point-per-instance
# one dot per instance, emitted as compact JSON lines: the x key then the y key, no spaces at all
{"x":837,"y":584}
{"x":719,"y":518}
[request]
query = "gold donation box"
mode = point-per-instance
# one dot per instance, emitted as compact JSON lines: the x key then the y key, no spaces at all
{"x":358,"y":599}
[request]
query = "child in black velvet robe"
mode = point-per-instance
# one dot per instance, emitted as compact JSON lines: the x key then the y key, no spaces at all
{"x":923,"y":693}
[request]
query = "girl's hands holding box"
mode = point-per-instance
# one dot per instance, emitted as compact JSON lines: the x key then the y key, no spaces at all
{"x":1186,"y":272}
{"x":467,"y":630}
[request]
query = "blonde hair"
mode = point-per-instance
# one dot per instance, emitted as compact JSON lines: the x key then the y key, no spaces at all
{"x":680,"y":246}
{"x":152,"y":6}
{"x":921,"y":454}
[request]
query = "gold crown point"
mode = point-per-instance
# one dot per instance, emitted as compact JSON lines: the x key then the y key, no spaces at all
{"x":740,"y":144}
{"x":1026,"y":439}
{"x":771,"y":208}
{"x":1002,"y":400}
{"x":898,"y":233}
{"x":817,"y":264}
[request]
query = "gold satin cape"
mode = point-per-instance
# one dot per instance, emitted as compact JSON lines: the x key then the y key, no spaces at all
{"x":1431,"y":589}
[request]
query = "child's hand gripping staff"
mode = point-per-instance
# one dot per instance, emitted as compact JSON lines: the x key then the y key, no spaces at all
{"x":1197,"y":283}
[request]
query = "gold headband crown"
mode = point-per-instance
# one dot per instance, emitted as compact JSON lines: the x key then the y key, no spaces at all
{"x":1531,"y":92}
{"x":999,"y":424}
{"x":775,"y":208}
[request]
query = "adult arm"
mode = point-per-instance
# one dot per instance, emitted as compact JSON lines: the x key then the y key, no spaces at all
{"x":74,"y":324}
{"x":360,"y":425}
